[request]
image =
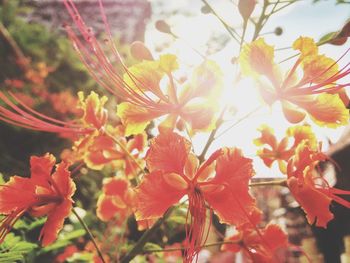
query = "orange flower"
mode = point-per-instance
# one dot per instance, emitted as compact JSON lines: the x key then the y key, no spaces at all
{"x":92,"y":142}
{"x":192,"y":105}
{"x":316,"y":93}
{"x":64,"y":102}
{"x":260,"y":245}
{"x":117,"y":199}
{"x":99,"y":149}
{"x":283,"y":150}
{"x":222,"y":182}
{"x":310,"y":190}
{"x":41,"y":194}
{"x":140,"y":86}
{"x":67,"y":253}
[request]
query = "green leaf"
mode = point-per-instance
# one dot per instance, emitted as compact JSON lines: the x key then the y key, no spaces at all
{"x":327,"y":37}
{"x":82,"y":257}
{"x":177,"y":219}
{"x":63,"y":241}
{"x":14,"y":249}
{"x":152,"y":246}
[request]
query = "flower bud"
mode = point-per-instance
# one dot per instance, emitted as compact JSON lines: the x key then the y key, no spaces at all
{"x":163,"y":27}
{"x":246,"y":8}
{"x":278,"y":31}
{"x":139,"y":51}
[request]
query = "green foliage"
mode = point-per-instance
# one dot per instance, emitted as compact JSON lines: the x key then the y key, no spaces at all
{"x":14,"y":249}
{"x":63,"y":241}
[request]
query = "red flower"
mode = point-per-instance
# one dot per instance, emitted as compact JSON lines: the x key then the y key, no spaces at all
{"x":41,"y":194}
{"x":67,"y":253}
{"x":222,"y":182}
{"x":117,"y":199}
{"x":260,"y":245}
{"x":282,"y":151}
{"x":139,"y":87}
{"x":310,"y":190}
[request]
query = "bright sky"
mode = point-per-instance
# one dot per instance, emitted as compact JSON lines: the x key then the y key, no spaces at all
{"x":301,"y":19}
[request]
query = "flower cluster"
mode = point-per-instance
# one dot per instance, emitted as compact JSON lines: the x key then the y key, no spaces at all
{"x":147,"y":175}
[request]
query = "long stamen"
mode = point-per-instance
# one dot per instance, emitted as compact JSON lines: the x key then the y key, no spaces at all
{"x":196,"y":232}
{"x":19,"y":114}
{"x":323,"y":86}
{"x":8,"y":222}
{"x":96,"y":61}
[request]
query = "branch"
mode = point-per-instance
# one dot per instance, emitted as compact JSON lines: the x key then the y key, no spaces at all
{"x":90,"y":235}
{"x":138,"y":248}
{"x":20,"y":57}
{"x":183,"y":248}
{"x":282,"y":182}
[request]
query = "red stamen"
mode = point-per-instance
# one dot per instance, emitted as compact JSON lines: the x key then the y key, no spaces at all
{"x":195,"y":233}
{"x":28,"y":118}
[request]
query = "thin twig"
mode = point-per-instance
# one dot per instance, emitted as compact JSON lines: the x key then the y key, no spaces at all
{"x":90,"y":234}
{"x":212,"y":135}
{"x":138,"y":248}
{"x":238,"y":121}
{"x":5,"y":34}
{"x":230,"y":30}
{"x":282,"y":182}
{"x":183,"y":248}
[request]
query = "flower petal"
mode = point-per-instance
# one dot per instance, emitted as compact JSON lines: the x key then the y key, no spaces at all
{"x":107,"y":209}
{"x":292,"y":113}
{"x":94,"y":112}
{"x":115,"y":186}
{"x":134,"y":118}
{"x":328,"y":110}
{"x":155,"y":196}
{"x":18,"y":192}
{"x":200,"y":117}
{"x":54,"y":222}
{"x":313,"y":202}
{"x":41,"y":168}
{"x":168,"y":152}
{"x":234,"y":203}
{"x":63,"y":181}
{"x":306,"y":46}
{"x":257,"y":58}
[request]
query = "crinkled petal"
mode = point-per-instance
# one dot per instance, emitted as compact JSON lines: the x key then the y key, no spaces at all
{"x":115,"y":186}
{"x":41,"y":168}
{"x":257,"y":58}
{"x":54,"y":222}
{"x":168,"y":152}
{"x":63,"y":180}
{"x":95,"y":114}
{"x":107,"y":208}
{"x":134,"y":118}
{"x":319,"y":68}
{"x":234,"y":203}
{"x":155,"y":195}
{"x":267,"y":137}
{"x":17,"y":193}
{"x":306,"y":46}
{"x":313,"y":202}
